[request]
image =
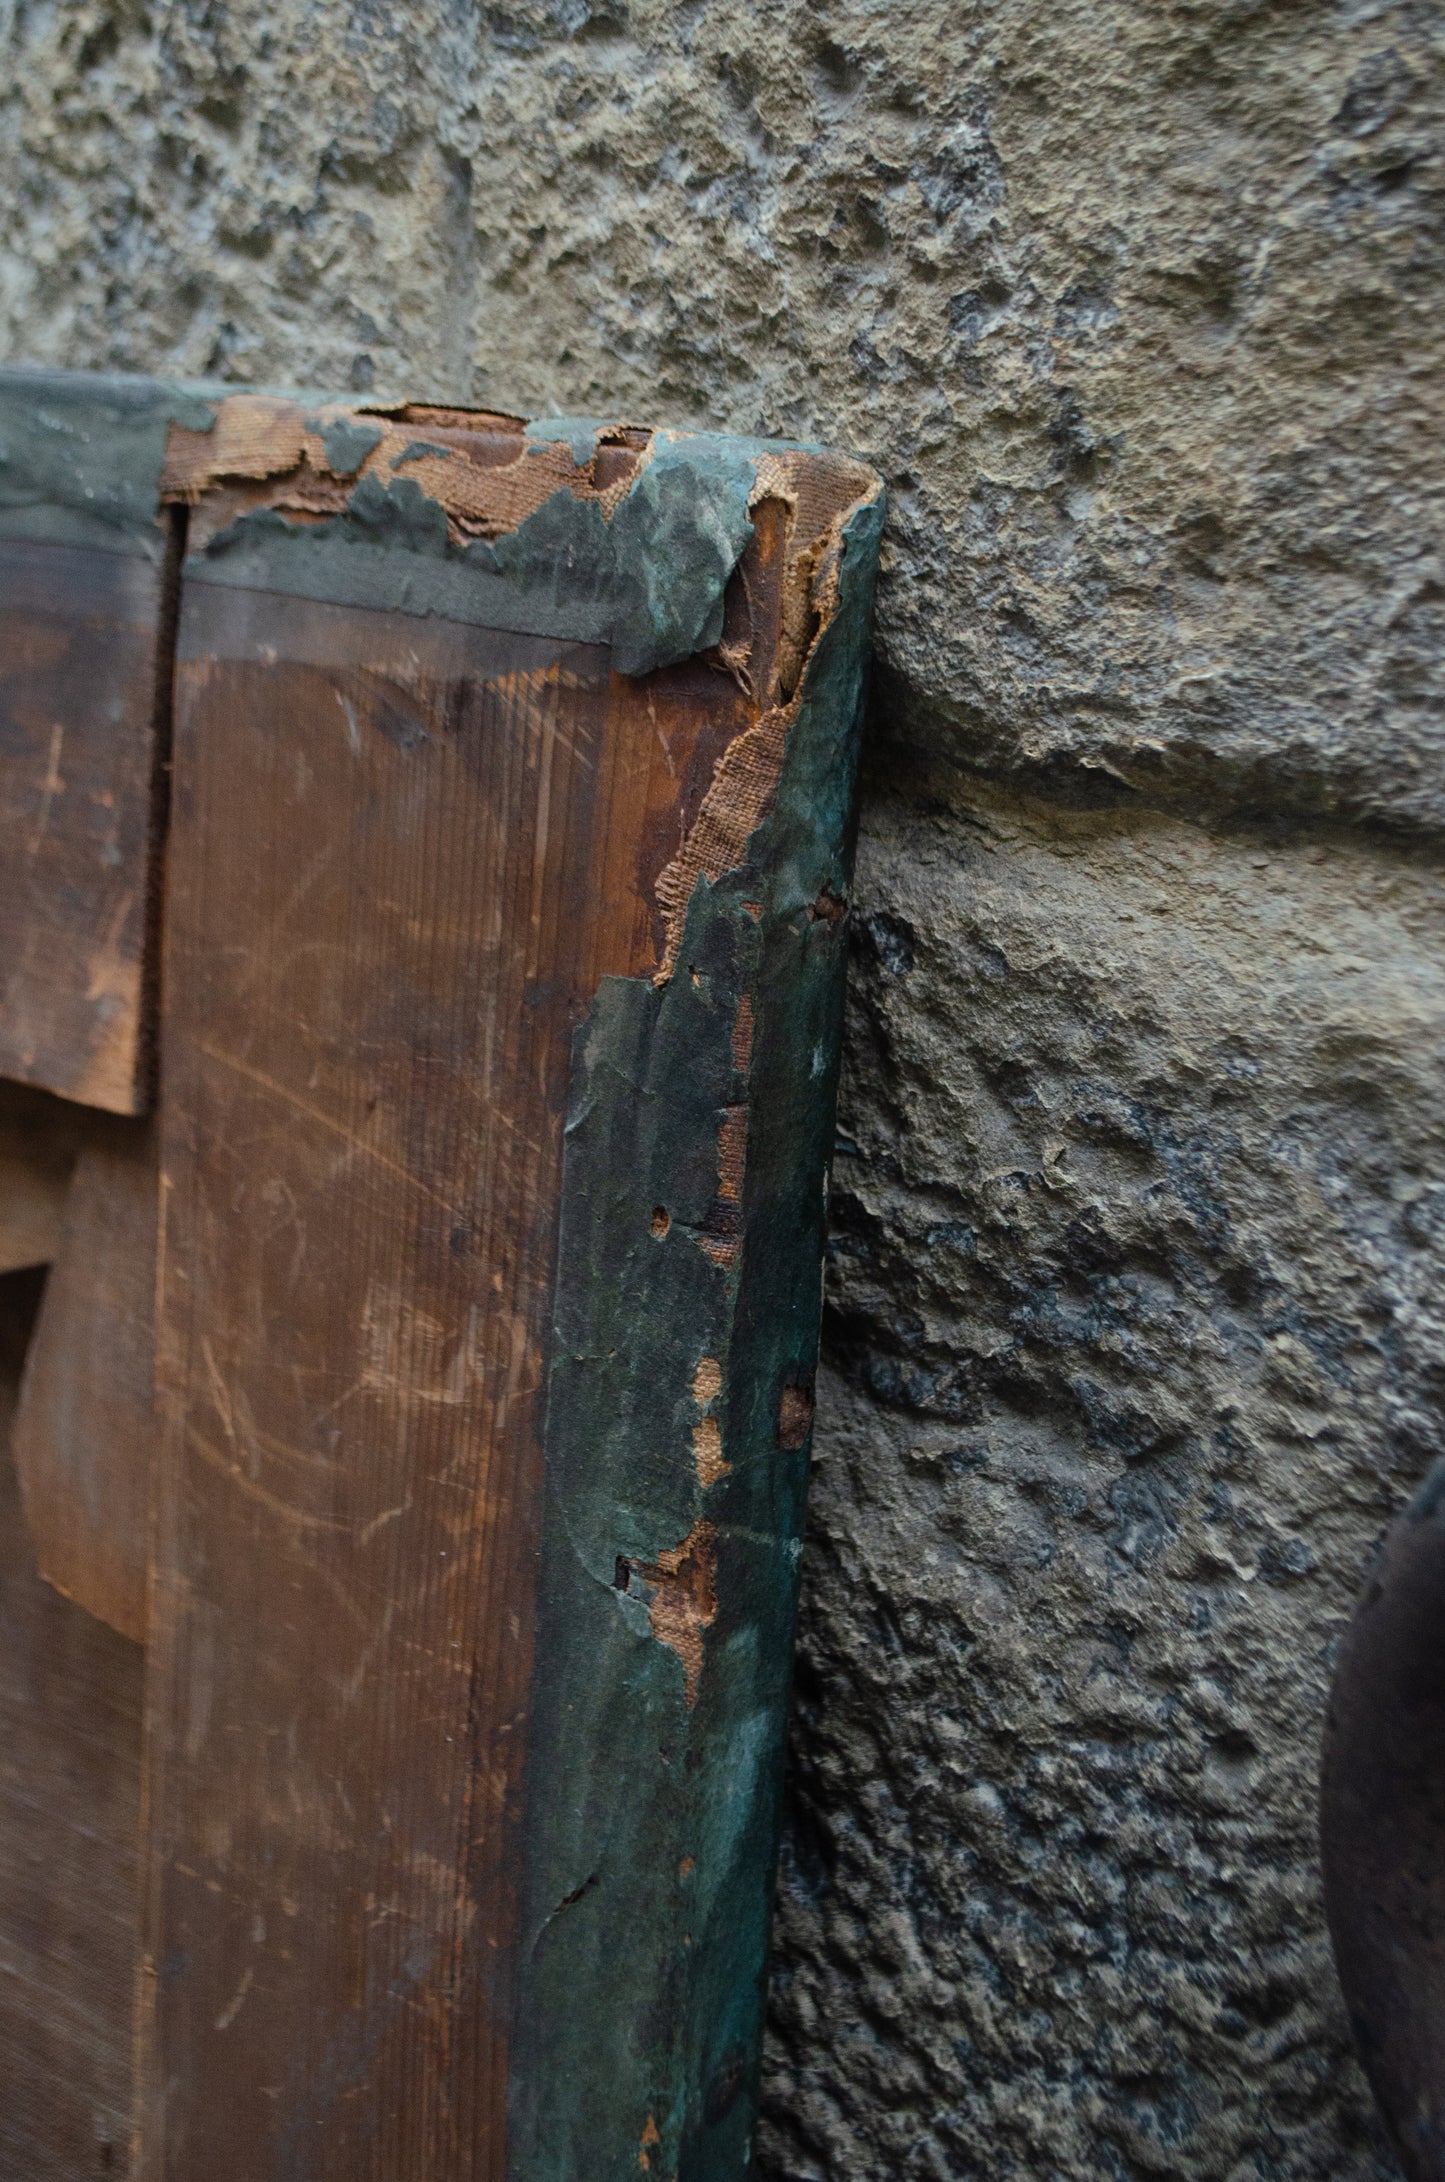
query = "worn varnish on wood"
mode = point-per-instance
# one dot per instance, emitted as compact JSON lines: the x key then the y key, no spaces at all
{"x":86,"y":583}
{"x":503,"y":946}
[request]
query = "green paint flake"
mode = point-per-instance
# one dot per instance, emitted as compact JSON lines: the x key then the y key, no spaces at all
{"x":415,"y":449}
{"x":580,"y":433}
{"x":346,"y":443}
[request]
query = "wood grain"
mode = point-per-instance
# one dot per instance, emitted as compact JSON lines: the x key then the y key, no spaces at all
{"x":84,"y":1433}
{"x":70,"y":1700}
{"x":79,"y":634}
{"x":403,"y":855}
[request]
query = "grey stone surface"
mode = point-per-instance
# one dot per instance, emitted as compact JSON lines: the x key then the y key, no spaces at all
{"x":1137,"y":1335}
{"x":1138,"y":305}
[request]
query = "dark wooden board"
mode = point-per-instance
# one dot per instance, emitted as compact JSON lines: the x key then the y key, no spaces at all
{"x":84,"y":1434}
{"x":410,"y":852}
{"x":78,"y":653}
{"x":70,"y":1708}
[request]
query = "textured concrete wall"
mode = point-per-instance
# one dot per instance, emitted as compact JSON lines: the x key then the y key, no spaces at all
{"x":1136,"y":1331}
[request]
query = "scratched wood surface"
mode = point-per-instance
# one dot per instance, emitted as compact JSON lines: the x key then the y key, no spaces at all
{"x":70,"y":1706}
{"x":402,"y":858}
{"x":78,"y":651}
{"x":84,"y":1432}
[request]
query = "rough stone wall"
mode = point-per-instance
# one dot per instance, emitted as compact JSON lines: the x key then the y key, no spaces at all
{"x":1136,"y":1333}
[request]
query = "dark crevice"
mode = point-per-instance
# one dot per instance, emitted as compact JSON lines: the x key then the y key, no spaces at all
{"x":1248,"y":808}
{"x":162,"y":738}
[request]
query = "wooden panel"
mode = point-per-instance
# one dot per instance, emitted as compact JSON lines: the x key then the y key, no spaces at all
{"x":399,"y":866}
{"x":70,"y":1697}
{"x":78,"y":648}
{"x":85,"y":1430}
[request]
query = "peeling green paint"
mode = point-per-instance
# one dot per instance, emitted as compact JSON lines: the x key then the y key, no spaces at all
{"x":415,"y":449}
{"x":346,"y":443}
{"x":652,"y":1828}
{"x":678,"y":534}
{"x":649,"y":580}
{"x":81,"y":456}
{"x":580,"y":433}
